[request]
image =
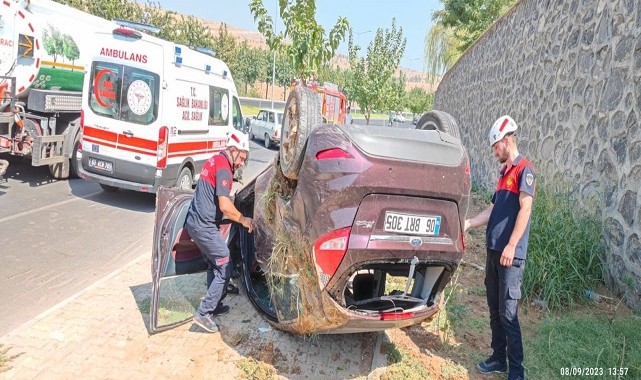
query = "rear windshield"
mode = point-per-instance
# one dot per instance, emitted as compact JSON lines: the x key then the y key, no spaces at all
{"x":124,"y":93}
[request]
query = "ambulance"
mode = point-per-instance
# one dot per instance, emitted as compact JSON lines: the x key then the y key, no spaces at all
{"x":153,"y":112}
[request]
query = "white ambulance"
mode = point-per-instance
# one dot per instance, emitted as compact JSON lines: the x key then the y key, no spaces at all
{"x":153,"y":112}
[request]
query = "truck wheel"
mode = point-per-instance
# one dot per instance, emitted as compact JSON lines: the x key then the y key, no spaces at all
{"x":185,"y":180}
{"x":439,"y":120}
{"x":75,"y":173}
{"x":302,"y":115}
{"x":60,"y":170}
{"x":268,"y":142}
{"x":109,"y":189}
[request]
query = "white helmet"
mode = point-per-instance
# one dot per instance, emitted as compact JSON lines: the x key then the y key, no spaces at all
{"x":239,"y":140}
{"x":502,"y":127}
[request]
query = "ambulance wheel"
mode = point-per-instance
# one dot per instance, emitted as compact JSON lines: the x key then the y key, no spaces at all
{"x":302,"y":115}
{"x":109,"y":189}
{"x":438,"y":120}
{"x":268,"y":142}
{"x":185,"y":180}
{"x":75,"y":173}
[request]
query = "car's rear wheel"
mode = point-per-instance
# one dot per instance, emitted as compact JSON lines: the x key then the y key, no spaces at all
{"x":439,"y":120}
{"x":268,"y":142}
{"x":302,"y":114}
{"x":251,"y":135}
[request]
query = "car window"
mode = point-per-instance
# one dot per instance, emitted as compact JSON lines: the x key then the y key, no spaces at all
{"x":218,"y":106}
{"x":280,"y":118}
{"x":271,"y":117}
{"x":261,"y":115}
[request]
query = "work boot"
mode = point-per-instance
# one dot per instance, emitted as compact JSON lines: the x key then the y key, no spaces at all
{"x":491,"y":365}
{"x":206,"y":322}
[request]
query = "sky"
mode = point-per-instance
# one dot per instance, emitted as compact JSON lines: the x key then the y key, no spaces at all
{"x":364,"y":16}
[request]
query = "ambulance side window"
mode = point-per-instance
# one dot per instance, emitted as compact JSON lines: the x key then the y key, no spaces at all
{"x":218,"y":106}
{"x":237,"y":114}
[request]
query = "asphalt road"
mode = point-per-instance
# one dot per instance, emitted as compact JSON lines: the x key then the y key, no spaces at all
{"x":58,"y":237}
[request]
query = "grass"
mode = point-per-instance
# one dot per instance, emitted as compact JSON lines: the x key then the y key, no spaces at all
{"x":6,"y":358}
{"x":585,"y":341}
{"x":255,"y":370}
{"x":563,"y":253}
{"x":402,"y":366}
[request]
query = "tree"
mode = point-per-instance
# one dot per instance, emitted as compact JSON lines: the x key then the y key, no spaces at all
{"x":53,"y":42}
{"x":284,"y":73}
{"x":70,"y":48}
{"x":470,"y":18}
{"x":395,"y":96}
{"x":225,"y":46}
{"x":419,"y":101}
{"x":441,"y":50}
{"x":370,"y":75}
{"x":251,"y":65}
{"x":303,"y":40}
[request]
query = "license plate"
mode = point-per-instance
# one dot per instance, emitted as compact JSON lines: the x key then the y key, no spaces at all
{"x":105,"y":166}
{"x":412,"y":224}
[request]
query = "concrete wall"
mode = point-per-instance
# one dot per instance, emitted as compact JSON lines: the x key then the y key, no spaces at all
{"x":569,"y":73}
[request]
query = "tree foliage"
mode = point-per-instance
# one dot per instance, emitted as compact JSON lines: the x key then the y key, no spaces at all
{"x":251,"y":65}
{"x":303,"y":41}
{"x":441,"y":50}
{"x":419,"y":101}
{"x":470,"y":18}
{"x":370,"y":83}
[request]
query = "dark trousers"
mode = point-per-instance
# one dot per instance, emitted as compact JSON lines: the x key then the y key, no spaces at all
{"x":503,"y":287}
{"x":212,"y":245}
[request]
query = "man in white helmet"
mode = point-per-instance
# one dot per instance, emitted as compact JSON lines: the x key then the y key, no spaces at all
{"x":508,"y":226}
{"x":212,"y":201}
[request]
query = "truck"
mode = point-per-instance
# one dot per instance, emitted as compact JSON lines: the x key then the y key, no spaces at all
{"x":43,"y":51}
{"x":333,"y":103}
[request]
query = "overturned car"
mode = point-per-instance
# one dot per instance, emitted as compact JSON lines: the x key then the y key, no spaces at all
{"x":358,"y":228}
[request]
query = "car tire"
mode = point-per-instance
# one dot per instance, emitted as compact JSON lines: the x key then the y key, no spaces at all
{"x":251,"y":136}
{"x":268,"y":142}
{"x":185,"y":180}
{"x":302,"y":115}
{"x":439,"y":120}
{"x":108,"y":188}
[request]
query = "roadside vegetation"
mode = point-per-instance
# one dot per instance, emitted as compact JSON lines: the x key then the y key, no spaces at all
{"x":562,"y":328}
{"x":6,"y":357}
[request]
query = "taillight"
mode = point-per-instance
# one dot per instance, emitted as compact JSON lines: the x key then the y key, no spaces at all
{"x":276,"y":132}
{"x":329,"y":251}
{"x":332,"y":153}
{"x":463,"y":240}
{"x":391,"y":316}
{"x":161,"y":152}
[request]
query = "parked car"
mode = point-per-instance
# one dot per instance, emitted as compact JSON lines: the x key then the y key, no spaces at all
{"x":357,"y":228}
{"x":266,"y":126}
{"x":399,"y":117}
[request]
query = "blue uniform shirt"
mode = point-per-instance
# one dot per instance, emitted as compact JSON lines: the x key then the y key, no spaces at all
{"x":216,"y":179}
{"x":519,"y":177}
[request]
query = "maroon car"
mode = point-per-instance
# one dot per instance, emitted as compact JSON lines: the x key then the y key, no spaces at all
{"x":358,"y":228}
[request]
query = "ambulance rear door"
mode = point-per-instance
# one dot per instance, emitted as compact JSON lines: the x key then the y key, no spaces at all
{"x":123,"y":122}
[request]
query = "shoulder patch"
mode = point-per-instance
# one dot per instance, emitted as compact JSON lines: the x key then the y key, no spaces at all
{"x":529,"y":179}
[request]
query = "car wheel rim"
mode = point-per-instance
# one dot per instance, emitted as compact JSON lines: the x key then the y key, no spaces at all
{"x":266,"y":141}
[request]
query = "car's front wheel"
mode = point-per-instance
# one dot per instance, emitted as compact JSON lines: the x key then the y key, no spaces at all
{"x":268,"y":142}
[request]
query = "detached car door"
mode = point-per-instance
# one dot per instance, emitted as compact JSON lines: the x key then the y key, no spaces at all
{"x":178,"y":269}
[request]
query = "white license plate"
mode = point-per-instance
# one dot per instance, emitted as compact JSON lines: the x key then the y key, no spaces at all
{"x":412,"y":224}
{"x":105,"y":166}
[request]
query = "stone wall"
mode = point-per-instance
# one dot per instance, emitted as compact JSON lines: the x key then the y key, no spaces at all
{"x":569,"y":73}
